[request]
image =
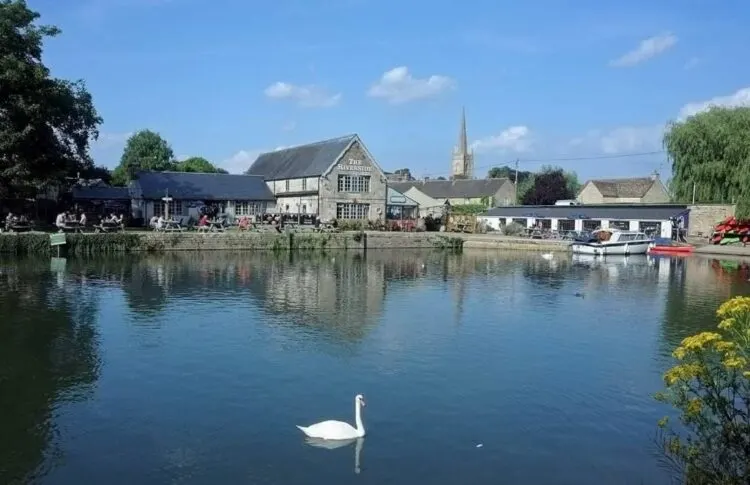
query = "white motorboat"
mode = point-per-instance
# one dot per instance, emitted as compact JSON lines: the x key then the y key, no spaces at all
{"x":612,"y":242}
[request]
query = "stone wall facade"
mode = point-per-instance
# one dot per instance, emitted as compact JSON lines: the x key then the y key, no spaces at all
{"x":356,"y":162}
{"x":703,"y":217}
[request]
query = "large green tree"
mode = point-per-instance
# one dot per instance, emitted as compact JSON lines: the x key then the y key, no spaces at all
{"x":549,"y":186}
{"x":144,"y":150}
{"x":710,"y":154}
{"x":198,"y":164}
{"x":46,"y":124}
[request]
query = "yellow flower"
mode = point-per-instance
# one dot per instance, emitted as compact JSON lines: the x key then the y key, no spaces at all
{"x":735,"y":362}
{"x":737,"y":306}
{"x":746,"y":374}
{"x":727,"y":323}
{"x":694,"y":407}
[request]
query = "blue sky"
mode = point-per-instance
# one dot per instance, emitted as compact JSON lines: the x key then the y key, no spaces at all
{"x":540,"y":80}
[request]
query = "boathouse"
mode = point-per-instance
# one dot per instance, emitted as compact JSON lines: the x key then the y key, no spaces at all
{"x":654,"y":218}
{"x":335,"y":179}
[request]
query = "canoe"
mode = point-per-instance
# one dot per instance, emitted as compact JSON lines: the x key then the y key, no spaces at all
{"x":671,"y":249}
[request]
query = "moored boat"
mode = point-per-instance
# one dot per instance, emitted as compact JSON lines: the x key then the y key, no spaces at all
{"x":668,"y":249}
{"x":611,"y":242}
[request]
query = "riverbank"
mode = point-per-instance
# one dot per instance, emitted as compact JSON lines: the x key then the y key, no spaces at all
{"x":82,"y":244}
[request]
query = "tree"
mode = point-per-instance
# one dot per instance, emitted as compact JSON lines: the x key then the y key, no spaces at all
{"x":46,"y":124}
{"x":548,"y":187}
{"x":198,"y":164}
{"x":405,"y":173}
{"x":710,"y":153}
{"x":441,"y":178}
{"x":145,"y":150}
{"x":571,"y":179}
{"x":710,"y":387}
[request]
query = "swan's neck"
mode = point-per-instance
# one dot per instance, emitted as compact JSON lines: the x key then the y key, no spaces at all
{"x":358,"y":418}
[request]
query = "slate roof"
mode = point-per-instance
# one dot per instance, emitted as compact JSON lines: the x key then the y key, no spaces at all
{"x":625,"y":212}
{"x":309,"y":160}
{"x":202,"y":186}
{"x":99,"y":192}
{"x":393,"y":194}
{"x":624,"y":188}
{"x":453,"y":189}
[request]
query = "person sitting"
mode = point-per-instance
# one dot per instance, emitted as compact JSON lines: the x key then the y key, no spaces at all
{"x":60,"y":221}
{"x":243,"y":224}
{"x":82,"y":220}
{"x":160,"y":223}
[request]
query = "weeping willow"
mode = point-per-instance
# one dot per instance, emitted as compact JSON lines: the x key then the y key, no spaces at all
{"x":710,"y":154}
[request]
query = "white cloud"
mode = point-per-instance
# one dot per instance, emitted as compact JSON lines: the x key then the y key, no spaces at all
{"x":398,"y":86}
{"x":310,"y":96}
{"x":740,"y":98}
{"x":513,"y":139}
{"x":289,"y":126}
{"x":621,"y":140}
{"x":647,"y":49}
{"x":241,"y":161}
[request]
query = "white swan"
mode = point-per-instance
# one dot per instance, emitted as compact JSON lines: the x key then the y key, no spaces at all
{"x":548,"y":256}
{"x":338,"y":430}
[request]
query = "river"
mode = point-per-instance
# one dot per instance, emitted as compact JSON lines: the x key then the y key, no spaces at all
{"x":481,"y":368}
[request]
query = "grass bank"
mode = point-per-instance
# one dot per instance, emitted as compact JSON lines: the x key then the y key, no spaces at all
{"x":86,"y":244}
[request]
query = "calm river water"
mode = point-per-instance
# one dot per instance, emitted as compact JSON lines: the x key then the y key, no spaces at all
{"x":480,"y":368}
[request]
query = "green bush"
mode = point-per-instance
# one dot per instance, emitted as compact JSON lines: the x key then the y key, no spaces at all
{"x":513,"y":229}
{"x":76,"y":244}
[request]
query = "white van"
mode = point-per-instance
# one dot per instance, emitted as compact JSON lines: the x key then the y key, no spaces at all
{"x":567,"y":202}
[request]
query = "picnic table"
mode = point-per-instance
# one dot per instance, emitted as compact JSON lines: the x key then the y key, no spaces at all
{"x":108,"y":226}
{"x":72,"y":226}
{"x":170,"y":226}
{"x":18,"y":227}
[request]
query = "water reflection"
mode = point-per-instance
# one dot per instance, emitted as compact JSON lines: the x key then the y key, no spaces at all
{"x":239,"y":345}
{"x":49,"y":358}
{"x":334,"y":445}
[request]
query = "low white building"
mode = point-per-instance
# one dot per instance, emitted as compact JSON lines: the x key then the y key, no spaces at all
{"x":653,"y":219}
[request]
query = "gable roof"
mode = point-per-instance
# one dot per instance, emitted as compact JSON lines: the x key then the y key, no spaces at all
{"x":202,"y":186}
{"x":99,"y":192}
{"x":310,"y":160}
{"x":453,"y":189}
{"x":394,"y":197}
{"x":623,"y":188}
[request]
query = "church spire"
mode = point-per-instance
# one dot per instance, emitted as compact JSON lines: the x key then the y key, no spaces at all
{"x":463,"y":142}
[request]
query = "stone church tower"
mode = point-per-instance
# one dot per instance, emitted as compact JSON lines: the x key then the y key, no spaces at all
{"x":463,"y":158}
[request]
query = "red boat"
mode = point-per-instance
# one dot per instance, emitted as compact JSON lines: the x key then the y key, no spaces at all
{"x":671,"y":249}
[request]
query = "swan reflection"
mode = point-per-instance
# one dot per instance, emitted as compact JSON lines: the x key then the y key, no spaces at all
{"x":335,"y":444}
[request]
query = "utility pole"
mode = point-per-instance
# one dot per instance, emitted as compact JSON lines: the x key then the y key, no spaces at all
{"x":693,"y":193}
{"x":515,"y":186}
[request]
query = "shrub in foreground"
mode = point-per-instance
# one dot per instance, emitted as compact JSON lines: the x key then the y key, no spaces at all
{"x":710,"y":388}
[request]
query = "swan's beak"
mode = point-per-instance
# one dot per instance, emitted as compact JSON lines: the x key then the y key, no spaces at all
{"x":364,"y":404}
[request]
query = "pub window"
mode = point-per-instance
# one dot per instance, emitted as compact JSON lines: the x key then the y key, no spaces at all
{"x":651,"y":228}
{"x":354,"y":183}
{"x":621,"y":225}
{"x":304,"y":184}
{"x":591,"y":224}
{"x":566,"y":225}
{"x":286,"y":185}
{"x":246,"y":208}
{"x":523,"y":222}
{"x":544,"y":223}
{"x":175,"y":208}
{"x":352,"y":211}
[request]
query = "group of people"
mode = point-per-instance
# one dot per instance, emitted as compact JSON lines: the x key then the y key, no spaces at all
{"x":69,"y":220}
{"x":12,"y":220}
